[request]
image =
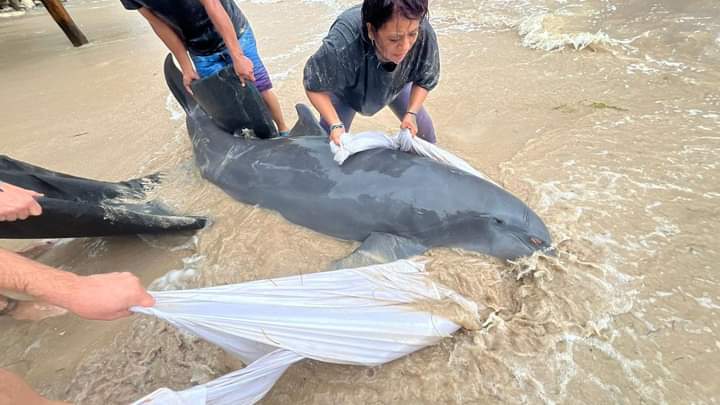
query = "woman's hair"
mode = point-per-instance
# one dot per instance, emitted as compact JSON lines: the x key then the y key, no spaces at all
{"x":378,"y":12}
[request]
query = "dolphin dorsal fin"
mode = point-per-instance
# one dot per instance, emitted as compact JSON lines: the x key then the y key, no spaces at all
{"x":307,"y":124}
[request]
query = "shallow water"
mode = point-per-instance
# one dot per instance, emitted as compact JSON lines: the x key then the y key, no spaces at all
{"x":603,"y":116}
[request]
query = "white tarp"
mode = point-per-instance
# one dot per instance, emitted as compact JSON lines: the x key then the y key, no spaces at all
{"x":365,"y":316}
{"x":351,"y":144}
{"x":245,"y":386}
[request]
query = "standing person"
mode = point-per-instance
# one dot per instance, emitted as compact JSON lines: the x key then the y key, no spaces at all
{"x":215,"y":34}
{"x":384,"y":53}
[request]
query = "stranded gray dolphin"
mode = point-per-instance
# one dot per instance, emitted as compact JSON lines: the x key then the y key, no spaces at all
{"x":78,"y":207}
{"x":396,"y":203}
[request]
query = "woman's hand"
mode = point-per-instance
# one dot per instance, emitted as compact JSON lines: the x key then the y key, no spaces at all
{"x":335,"y":135}
{"x":409,"y":122}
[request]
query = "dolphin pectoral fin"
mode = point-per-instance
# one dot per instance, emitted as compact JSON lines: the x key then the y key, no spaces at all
{"x":380,"y":248}
{"x":233,"y":106}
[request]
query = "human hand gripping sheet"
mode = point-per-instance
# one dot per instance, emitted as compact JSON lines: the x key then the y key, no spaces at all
{"x":365,"y":316}
{"x":351,"y":144}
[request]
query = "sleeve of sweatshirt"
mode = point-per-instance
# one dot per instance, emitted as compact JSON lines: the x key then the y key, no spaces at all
{"x":333,"y":67}
{"x":427,"y":72}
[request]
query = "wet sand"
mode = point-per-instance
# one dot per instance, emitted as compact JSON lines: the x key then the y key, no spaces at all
{"x":615,"y":145}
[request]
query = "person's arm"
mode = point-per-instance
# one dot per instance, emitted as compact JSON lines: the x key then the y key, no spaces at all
{"x":425,"y":76}
{"x":321,"y":101}
{"x":417,"y":98}
{"x":17,"y":202}
{"x":100,"y":297}
{"x":223,"y":25}
{"x":332,"y":68}
{"x":173,"y":42}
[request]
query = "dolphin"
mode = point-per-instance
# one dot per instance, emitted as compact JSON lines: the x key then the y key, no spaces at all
{"x":395,"y":203}
{"x":78,"y":207}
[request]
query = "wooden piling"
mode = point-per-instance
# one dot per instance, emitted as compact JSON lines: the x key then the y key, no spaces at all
{"x":66,"y":23}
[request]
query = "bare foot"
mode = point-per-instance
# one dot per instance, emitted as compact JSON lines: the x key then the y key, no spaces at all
{"x":3,"y":304}
{"x":36,"y":250}
{"x":35,"y":311}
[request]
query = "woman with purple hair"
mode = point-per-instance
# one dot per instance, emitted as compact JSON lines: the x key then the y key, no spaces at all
{"x":383,"y":53}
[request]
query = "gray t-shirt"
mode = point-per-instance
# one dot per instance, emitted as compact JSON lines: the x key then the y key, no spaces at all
{"x":347,"y":66}
{"x":191,"y":22}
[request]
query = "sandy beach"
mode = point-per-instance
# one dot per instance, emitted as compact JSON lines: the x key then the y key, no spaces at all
{"x":604,"y":117}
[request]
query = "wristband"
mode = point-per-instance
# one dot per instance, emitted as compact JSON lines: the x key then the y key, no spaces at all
{"x":413,"y":113}
{"x":336,"y":126}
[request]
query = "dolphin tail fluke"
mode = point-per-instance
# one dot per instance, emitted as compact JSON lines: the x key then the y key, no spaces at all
{"x":307,"y":124}
{"x":72,"y":219}
{"x":78,"y":207}
{"x":143,"y":184}
{"x":174,"y":80}
{"x":61,"y":185}
{"x":380,"y":248}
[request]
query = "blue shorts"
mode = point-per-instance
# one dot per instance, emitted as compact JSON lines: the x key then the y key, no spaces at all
{"x":211,"y":64}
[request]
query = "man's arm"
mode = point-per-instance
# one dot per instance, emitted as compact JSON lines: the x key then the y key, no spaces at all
{"x":223,"y":25}
{"x":101,"y":296}
{"x":170,"y":38}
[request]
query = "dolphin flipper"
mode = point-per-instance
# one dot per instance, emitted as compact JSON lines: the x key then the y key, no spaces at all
{"x":234,"y":107}
{"x":380,"y":248}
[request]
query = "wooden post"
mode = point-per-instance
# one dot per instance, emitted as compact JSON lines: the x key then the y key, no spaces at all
{"x":63,"y":19}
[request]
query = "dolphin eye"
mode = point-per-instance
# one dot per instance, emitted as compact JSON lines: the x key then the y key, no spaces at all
{"x":498,"y":221}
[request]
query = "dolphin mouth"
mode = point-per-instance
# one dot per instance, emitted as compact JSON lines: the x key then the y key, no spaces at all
{"x":532,"y":243}
{"x":538,"y":244}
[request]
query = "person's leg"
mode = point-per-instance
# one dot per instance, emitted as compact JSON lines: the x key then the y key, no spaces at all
{"x":7,"y":305}
{"x":344,"y":112}
{"x":262,"y":79}
{"x":13,"y":390}
{"x":399,"y":107}
{"x":273,"y":104}
{"x":28,"y":310}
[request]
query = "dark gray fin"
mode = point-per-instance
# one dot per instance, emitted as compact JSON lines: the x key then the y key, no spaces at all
{"x":234,"y":107}
{"x":145,"y":183}
{"x":74,"y":219}
{"x":77,"y":207}
{"x":8,"y":164}
{"x":307,"y":124}
{"x":173,"y":78}
{"x":64,"y":186}
{"x":380,"y":248}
